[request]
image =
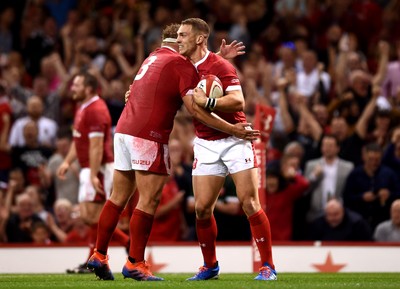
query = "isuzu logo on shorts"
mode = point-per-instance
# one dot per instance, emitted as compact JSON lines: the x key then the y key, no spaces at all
{"x":141,"y":162}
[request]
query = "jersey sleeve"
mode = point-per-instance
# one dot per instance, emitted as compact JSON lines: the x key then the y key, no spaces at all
{"x":228,"y":76}
{"x":96,"y":123}
{"x":188,"y":77}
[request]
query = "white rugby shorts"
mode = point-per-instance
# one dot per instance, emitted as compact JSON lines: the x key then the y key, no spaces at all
{"x":222,"y":157}
{"x":134,"y":153}
{"x":87,"y":193}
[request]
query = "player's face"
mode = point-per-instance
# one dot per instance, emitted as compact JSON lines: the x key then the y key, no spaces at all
{"x":78,"y":89}
{"x":186,"y":40}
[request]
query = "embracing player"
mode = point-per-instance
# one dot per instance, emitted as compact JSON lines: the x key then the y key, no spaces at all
{"x":218,"y":154}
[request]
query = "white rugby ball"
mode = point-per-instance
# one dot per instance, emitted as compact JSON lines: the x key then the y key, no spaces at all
{"x":211,"y":85}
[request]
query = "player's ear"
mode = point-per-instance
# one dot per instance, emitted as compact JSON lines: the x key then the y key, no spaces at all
{"x":200,"y":39}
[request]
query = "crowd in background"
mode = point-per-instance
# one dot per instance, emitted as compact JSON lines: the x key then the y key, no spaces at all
{"x":331,"y":70}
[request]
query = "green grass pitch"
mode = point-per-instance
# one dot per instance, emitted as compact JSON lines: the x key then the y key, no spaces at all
{"x":226,"y":281}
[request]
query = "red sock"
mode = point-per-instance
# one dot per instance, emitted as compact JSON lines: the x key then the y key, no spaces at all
{"x":92,"y":238}
{"x":207,"y":237}
{"x":139,"y":231}
{"x":261,"y":231}
{"x":108,"y":221}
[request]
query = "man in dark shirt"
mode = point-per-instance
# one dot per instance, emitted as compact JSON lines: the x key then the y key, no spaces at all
{"x":371,"y":187}
{"x":340,"y":224}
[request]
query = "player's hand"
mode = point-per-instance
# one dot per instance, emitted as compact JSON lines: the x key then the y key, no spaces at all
{"x":62,"y":170}
{"x":127,"y":93}
{"x":232,"y":50}
{"x":97,"y":184}
{"x":244,"y":131}
{"x":199,"y":97}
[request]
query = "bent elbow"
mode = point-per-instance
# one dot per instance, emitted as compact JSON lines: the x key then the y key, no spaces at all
{"x":238,"y":106}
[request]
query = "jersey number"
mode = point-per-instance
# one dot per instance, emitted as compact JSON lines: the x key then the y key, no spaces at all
{"x":145,"y":67}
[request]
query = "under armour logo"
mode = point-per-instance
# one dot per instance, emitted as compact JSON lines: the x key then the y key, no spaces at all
{"x":260,"y":240}
{"x":247,"y":160}
{"x":202,"y":245}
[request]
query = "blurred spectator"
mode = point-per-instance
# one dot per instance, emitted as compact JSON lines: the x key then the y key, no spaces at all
{"x":52,"y":70}
{"x":19,"y":225}
{"x":47,"y":127}
{"x":371,"y":187}
{"x":391,"y":20}
{"x":17,"y":91}
{"x":7,"y":17}
{"x":80,"y":231}
{"x":62,"y":188}
{"x":4,"y":211}
{"x":287,"y":61}
{"x":63,"y":222}
{"x":389,"y":231}
{"x":40,"y":234}
{"x":291,"y":9}
{"x":43,"y":39}
{"x":283,"y":187}
{"x":391,"y":83}
{"x":117,"y":51}
{"x":238,"y":30}
{"x":391,"y":156}
{"x":16,"y":184}
{"x":80,"y":234}
{"x":283,"y":122}
{"x":321,"y":114}
{"x":115,"y":100}
{"x":327,"y":176}
{"x":256,"y":76}
{"x":31,"y":157}
{"x":309,"y":131}
{"x":38,"y":201}
{"x":60,"y":9}
{"x":5,"y":125}
{"x":352,"y":139}
{"x":340,"y":224}
{"x":313,"y":82}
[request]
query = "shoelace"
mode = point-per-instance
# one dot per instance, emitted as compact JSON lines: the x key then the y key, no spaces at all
{"x":201,"y":270}
{"x":146,"y":268}
{"x":265,"y":271}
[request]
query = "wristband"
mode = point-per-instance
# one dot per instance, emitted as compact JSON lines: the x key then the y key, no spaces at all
{"x":211,"y":103}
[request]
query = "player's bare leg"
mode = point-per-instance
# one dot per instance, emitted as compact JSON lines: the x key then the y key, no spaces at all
{"x":123,"y":189}
{"x":246,"y":188}
{"x":247,"y":191}
{"x":149,"y":186}
{"x":206,"y":191}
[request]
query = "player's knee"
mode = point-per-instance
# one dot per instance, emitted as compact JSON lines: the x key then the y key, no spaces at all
{"x":250,"y":206}
{"x":150,"y":202}
{"x":203,"y":212}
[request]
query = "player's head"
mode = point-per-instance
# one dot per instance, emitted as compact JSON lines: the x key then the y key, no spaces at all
{"x":84,"y":86}
{"x":169,"y":35}
{"x":192,"y":33}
